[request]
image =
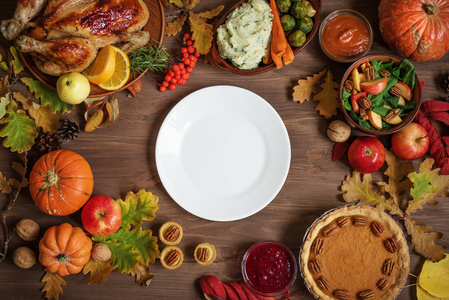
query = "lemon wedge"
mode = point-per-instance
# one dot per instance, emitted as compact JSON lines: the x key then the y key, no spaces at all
{"x":121,"y":72}
{"x":102,"y":69}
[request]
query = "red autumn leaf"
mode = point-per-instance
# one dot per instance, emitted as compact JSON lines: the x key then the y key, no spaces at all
{"x":446,"y":139}
{"x":441,"y":116}
{"x":434,"y":105}
{"x":135,"y":88}
{"x":239,"y":290}
{"x":422,"y":84}
{"x":340,"y":149}
{"x":250,"y":295}
{"x":232,"y":294}
{"x":212,"y":286}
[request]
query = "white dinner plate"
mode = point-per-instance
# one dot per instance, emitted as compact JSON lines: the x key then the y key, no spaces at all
{"x":223,"y":153}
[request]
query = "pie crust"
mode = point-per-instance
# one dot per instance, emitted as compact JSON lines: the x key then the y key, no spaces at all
{"x":171,"y":233}
{"x":205,"y":254}
{"x":355,"y":252}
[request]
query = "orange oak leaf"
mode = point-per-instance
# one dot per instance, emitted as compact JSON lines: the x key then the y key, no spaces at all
{"x":209,"y":14}
{"x":424,"y":241}
{"x":328,"y":97}
{"x":175,"y":26}
{"x":143,"y":275}
{"x":306,"y":87}
{"x":99,"y":270}
{"x":201,"y":33}
{"x":53,"y":285}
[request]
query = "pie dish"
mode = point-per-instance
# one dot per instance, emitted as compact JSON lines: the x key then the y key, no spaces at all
{"x":355,"y":252}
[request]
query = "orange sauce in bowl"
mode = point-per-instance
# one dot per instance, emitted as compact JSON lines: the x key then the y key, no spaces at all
{"x":345,"y":37}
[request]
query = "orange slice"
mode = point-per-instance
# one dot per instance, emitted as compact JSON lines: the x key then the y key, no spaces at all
{"x":121,"y":72}
{"x":102,"y":69}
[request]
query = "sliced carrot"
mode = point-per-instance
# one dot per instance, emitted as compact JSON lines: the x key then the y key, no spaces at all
{"x":278,"y":40}
{"x":267,"y":58}
{"x":277,"y":59}
{"x":288,"y":56}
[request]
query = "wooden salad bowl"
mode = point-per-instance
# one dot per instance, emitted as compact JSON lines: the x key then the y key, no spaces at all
{"x":155,"y":26}
{"x":416,"y":92}
{"x":227,"y":65}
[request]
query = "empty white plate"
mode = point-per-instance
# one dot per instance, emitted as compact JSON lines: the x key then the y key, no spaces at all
{"x":223,"y":153}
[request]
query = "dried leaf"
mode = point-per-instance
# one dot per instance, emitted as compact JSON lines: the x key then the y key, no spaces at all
{"x":424,"y":241}
{"x":434,"y":278}
{"x":16,"y":61}
{"x":202,"y":33}
{"x":421,"y":294}
{"x":427,"y":184}
{"x":362,"y":190}
{"x":397,"y":172}
{"x":209,"y":14}
{"x":113,"y":111}
{"x":46,"y":95}
{"x":138,"y":207}
{"x":178,"y":3}
{"x":94,"y":121}
{"x":42,"y":114}
{"x":193,"y":3}
{"x":135,"y":88}
{"x":143,"y":275}
{"x":306,"y":87}
{"x":4,"y":101}
{"x":19,"y":131}
{"x":99,"y":270}
{"x":4,"y":86}
{"x":3,"y":64}
{"x":175,"y":26}
{"x":328,"y":97}
{"x":4,"y":185}
{"x":53,"y":285}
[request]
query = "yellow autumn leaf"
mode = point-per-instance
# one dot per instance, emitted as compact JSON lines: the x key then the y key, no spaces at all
{"x":193,"y":3}
{"x":328,"y":97}
{"x":53,"y":285}
{"x":209,"y":14}
{"x":421,"y":294}
{"x":4,"y":86}
{"x":434,"y":278}
{"x":99,"y":270}
{"x":306,"y":87}
{"x":175,"y":26}
{"x":201,"y":33}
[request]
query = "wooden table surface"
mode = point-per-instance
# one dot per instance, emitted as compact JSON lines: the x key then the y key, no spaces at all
{"x":122,"y":157}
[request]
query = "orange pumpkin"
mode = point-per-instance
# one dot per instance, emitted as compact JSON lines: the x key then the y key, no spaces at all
{"x":61,"y":182}
{"x":416,"y":29}
{"x":64,"y":249}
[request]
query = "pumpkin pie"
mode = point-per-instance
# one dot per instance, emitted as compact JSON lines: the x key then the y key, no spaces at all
{"x":355,"y":253}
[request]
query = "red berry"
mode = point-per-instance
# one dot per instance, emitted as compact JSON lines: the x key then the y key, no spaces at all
{"x":172,"y":87}
{"x":182,"y":81}
{"x":189,"y":43}
{"x":186,"y":61}
{"x":185,"y":55}
{"x":184,"y":43}
{"x":183,"y":71}
{"x":192,"y":64}
{"x":186,"y":36}
{"x":171,"y":73}
{"x":162,"y":88}
{"x":177,"y":76}
{"x":181,"y":66}
{"x":165,"y":83}
{"x":177,"y":72}
{"x":196,"y":54}
{"x":183,"y":50}
{"x":175,"y":68}
{"x":165,"y":71}
{"x":167,"y":78}
{"x":174,"y":81}
{"x":191,"y":49}
{"x":185,"y":76}
{"x":189,"y":69}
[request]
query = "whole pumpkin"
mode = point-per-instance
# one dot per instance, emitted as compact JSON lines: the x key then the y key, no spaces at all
{"x":64,"y":249}
{"x":61,"y":182}
{"x":416,"y":29}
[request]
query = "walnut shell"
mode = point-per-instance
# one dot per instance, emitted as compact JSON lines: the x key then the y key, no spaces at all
{"x":338,"y":131}
{"x":28,"y":230}
{"x":24,"y":257}
{"x":101,"y":252}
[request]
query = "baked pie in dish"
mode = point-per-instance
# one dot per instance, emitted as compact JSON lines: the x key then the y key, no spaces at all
{"x":355,"y":252}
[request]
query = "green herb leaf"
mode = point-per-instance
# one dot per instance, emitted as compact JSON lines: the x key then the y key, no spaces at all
{"x":138,"y":207}
{"x":149,"y":57}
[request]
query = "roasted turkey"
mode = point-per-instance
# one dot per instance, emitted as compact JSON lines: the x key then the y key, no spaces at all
{"x":64,"y":36}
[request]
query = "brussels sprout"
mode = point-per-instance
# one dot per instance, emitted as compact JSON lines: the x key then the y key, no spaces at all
{"x":298,"y":10}
{"x":305,"y":24}
{"x":288,"y":22}
{"x":297,"y":38}
{"x":294,"y":1}
{"x":283,"y":5}
{"x":310,"y":10}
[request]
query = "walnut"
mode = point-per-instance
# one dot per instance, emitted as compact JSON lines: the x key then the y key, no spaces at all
{"x":24,"y":257}
{"x":101,"y":252}
{"x":28,"y":230}
{"x":338,"y":131}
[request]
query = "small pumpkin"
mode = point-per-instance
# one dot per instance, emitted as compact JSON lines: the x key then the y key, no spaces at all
{"x":416,"y":29}
{"x":61,"y":182}
{"x":64,"y":249}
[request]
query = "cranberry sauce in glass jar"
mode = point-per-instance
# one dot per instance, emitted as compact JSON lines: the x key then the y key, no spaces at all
{"x":269,"y":268}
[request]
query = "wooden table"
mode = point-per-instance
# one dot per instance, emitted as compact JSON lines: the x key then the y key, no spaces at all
{"x":122,"y":159}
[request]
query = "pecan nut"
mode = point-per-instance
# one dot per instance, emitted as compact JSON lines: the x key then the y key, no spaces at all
{"x":323,"y":283}
{"x":382,"y":284}
{"x":343,"y":221}
{"x":317,"y":246}
{"x":172,"y":258}
{"x":395,"y":91}
{"x":359,"y":221}
{"x":341,"y":294}
{"x":171,"y":233}
{"x":366,"y":294}
{"x":363,"y":114}
{"x":349,"y":86}
{"x":384,"y":73}
{"x":392,"y":245}
{"x":389,"y":267}
{"x":329,"y":229}
{"x":365,"y":102}
{"x":370,"y":73}
{"x":315,"y":266}
{"x":377,"y":228}
{"x":203,"y":254}
{"x":392,"y":114}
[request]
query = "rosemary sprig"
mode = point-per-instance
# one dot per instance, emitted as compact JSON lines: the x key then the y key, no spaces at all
{"x":149,"y":57}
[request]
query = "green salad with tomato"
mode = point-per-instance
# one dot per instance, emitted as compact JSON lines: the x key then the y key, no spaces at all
{"x":389,"y":90}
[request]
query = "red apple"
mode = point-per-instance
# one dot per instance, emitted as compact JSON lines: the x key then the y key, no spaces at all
{"x":101,"y":215}
{"x":366,"y":154}
{"x":374,"y":87}
{"x":411,"y":143}
{"x":375,"y":119}
{"x":355,"y":96}
{"x":405,"y":90}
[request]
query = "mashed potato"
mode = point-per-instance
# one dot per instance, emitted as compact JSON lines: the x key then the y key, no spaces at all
{"x":245,"y":36}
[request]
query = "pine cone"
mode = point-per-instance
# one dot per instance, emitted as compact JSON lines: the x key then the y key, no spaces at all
{"x":446,"y":83}
{"x":48,"y":142}
{"x":68,"y":129}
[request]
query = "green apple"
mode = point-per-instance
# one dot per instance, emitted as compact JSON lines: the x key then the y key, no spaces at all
{"x":73,"y":88}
